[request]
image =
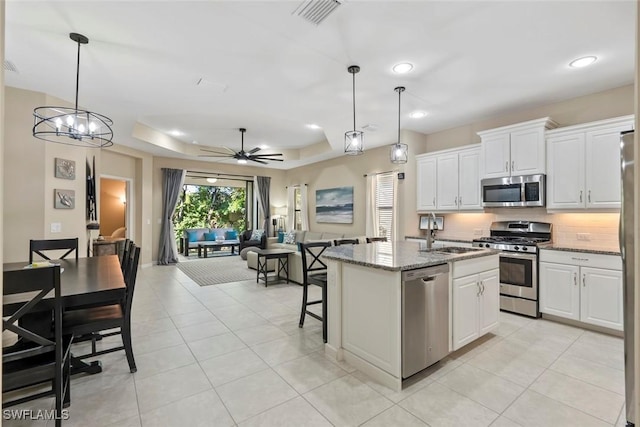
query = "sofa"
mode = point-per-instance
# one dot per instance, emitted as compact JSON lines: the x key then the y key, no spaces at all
{"x":191,"y":237}
{"x":294,"y":260}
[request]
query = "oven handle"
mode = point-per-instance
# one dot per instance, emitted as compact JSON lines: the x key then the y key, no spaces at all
{"x":518,"y":255}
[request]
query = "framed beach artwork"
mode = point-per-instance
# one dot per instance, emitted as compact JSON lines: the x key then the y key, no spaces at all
{"x":65,"y":169}
{"x":335,"y":205}
{"x":64,"y":199}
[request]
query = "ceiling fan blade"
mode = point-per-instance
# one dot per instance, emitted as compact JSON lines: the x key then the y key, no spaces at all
{"x":267,"y":158}
{"x":229,"y":149}
{"x":257,"y":161}
{"x":255,"y":150}
{"x":221,"y":156}
{"x":268,"y":155}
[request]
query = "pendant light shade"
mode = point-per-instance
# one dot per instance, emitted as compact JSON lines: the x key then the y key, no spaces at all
{"x":72,"y":126}
{"x":399,"y":151}
{"x":354,"y":139}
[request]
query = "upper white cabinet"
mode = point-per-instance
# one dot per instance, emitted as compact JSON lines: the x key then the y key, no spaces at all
{"x":516,"y":149}
{"x":449,"y":180}
{"x":583,"y":165}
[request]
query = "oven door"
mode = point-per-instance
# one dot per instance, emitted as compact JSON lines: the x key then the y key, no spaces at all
{"x":518,"y":275}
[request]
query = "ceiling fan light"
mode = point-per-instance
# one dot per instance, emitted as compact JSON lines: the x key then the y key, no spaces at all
{"x":242,"y":161}
{"x":212,"y":180}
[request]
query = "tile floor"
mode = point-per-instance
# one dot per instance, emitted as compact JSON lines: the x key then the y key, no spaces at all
{"x":233,"y":354}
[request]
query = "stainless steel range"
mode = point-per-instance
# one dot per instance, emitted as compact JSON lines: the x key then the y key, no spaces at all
{"x":518,"y":242}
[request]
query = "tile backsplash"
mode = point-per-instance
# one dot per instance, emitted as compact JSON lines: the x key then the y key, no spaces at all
{"x":580,"y":230}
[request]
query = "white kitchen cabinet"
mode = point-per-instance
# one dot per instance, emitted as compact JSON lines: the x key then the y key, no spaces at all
{"x":515,"y":150}
{"x":583,"y":165}
{"x":426,"y":183}
{"x":582,"y":286}
{"x":476,"y":299}
{"x":449,"y":180}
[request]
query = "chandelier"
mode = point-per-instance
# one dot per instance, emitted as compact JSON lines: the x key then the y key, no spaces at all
{"x":73,"y":126}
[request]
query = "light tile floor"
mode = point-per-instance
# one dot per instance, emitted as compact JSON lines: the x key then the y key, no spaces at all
{"x":233,"y":354}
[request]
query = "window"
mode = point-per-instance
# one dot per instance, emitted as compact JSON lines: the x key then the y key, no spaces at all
{"x":384,"y":205}
{"x":297,"y":224}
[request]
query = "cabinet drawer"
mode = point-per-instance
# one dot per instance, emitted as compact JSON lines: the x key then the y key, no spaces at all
{"x":475,"y":265}
{"x":610,"y":262}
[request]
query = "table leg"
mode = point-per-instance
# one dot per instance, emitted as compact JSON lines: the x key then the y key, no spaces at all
{"x":205,"y":251}
{"x":199,"y":251}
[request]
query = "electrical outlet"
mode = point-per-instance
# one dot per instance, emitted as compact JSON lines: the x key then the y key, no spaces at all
{"x":584,"y":236}
{"x":477,"y":231}
{"x":56,"y":227}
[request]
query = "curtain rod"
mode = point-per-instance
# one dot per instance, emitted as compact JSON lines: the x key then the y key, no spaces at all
{"x":379,"y":173}
{"x":296,"y":185}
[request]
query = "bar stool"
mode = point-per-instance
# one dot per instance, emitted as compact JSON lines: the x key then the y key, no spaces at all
{"x":339,"y":242}
{"x":314,"y":272}
{"x":376,"y":239}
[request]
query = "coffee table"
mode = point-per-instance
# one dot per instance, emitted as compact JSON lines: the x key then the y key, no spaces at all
{"x":204,"y":246}
{"x":264,"y":255}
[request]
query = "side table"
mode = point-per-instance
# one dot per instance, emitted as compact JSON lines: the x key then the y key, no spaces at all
{"x":264,"y":255}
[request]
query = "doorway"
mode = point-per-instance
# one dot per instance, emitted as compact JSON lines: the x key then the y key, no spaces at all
{"x":114,"y":207}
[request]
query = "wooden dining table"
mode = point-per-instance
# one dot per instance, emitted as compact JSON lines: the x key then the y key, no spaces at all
{"x":85,"y":282}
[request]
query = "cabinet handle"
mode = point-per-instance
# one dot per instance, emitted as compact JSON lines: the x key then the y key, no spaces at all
{"x":513,"y":165}
{"x":580,"y":196}
{"x":455,"y":202}
{"x":589,"y":196}
{"x":482,"y":284}
{"x":506,"y":166}
{"x":478,"y":285}
{"x":584,"y":280}
{"x":460,"y":201}
{"x":434,"y":201}
{"x":575,"y":279}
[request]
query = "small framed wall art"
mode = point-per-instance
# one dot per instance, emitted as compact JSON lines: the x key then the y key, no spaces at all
{"x":64,"y":199}
{"x":65,"y":169}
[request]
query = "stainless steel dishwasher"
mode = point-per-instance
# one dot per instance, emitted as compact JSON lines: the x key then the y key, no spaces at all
{"x":425,"y":317}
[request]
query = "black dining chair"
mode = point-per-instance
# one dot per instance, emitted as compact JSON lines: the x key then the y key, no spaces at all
{"x":36,"y":357}
{"x":122,"y":250}
{"x":39,"y":246}
{"x":376,"y":239}
{"x":314,"y":272}
{"x":95,"y":320}
{"x":339,"y":242}
{"x":126,"y":255}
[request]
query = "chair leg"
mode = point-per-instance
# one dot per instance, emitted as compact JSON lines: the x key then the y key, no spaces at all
{"x":128,"y":349}
{"x":304,"y":305}
{"x":324,"y":313}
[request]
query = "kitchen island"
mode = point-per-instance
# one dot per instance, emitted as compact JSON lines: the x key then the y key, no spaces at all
{"x":364,"y":300}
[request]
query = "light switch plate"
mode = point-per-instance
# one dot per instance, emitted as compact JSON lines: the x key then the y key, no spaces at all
{"x":56,"y":227}
{"x":477,"y":231}
{"x":584,"y":236}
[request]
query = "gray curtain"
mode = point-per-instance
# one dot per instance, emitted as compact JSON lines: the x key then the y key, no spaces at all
{"x":263,"y":183}
{"x":172,"y":181}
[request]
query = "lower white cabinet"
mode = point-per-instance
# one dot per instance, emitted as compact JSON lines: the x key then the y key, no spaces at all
{"x":583,"y":287}
{"x":476,"y":302}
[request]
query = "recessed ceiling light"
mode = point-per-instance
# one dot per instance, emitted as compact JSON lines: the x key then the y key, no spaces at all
{"x":194,"y":142}
{"x":313,"y":126}
{"x":582,"y":62}
{"x":418,"y":114}
{"x":175,"y":132}
{"x":403,"y":67}
{"x":212,"y":180}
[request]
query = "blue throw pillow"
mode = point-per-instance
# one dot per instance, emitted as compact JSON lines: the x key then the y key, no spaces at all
{"x":231,"y":235}
{"x":210,"y":236}
{"x":280,"y":236}
{"x":192,"y":236}
{"x":257,"y":234}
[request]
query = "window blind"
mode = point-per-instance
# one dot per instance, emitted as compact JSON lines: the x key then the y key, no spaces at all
{"x":384,"y":205}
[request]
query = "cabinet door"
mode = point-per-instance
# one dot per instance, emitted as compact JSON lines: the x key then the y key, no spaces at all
{"x":565,"y":177}
{"x":466,"y":292}
{"x":447,"y":182}
{"x":528,"y":152}
{"x":559,"y":290}
{"x":601,"y":297}
{"x":469,"y":180}
{"x":489,"y":301}
{"x":603,"y":168}
{"x":426,"y":184}
{"x":495,"y":155}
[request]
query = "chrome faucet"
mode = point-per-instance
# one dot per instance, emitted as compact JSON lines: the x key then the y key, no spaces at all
{"x":431,"y":229}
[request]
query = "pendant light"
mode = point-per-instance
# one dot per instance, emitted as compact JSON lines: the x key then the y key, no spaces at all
{"x":73,"y":126}
{"x":399,"y":151}
{"x":353,"y":139}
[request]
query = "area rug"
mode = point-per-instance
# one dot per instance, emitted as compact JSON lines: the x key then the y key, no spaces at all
{"x":213,"y":271}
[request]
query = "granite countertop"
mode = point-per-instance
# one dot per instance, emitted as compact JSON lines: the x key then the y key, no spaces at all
{"x":440,"y":238}
{"x":396,"y":256}
{"x":567,"y":248}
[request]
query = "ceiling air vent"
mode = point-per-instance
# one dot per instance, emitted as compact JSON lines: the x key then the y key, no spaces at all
{"x":315,"y":11}
{"x":10,"y":66}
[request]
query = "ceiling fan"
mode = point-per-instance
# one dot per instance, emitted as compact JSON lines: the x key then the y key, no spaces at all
{"x":243,"y":156}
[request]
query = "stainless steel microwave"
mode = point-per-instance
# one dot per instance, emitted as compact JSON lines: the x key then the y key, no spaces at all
{"x":513,"y":191}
